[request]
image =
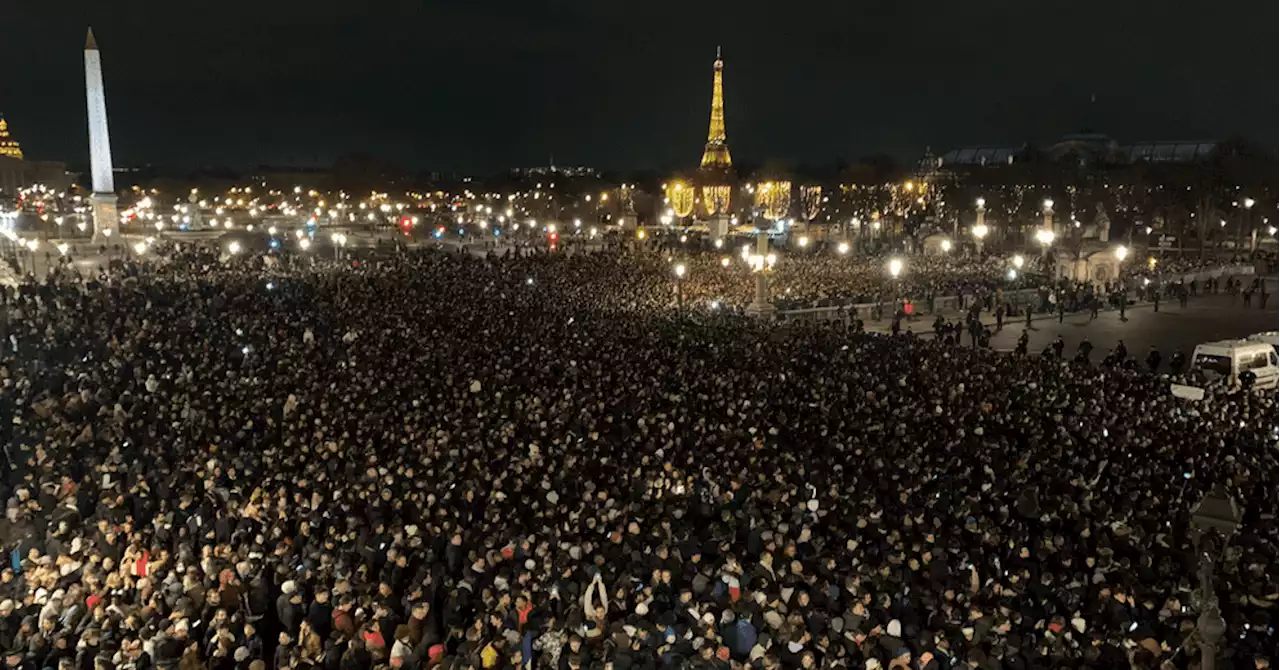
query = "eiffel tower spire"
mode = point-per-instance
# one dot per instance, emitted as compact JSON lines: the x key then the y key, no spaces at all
{"x":716,"y":153}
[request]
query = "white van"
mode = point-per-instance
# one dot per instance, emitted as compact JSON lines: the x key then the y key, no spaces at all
{"x":1272,"y":338}
{"x":1228,"y":358}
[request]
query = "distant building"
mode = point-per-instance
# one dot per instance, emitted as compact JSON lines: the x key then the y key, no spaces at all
{"x":17,"y":173}
{"x":554,"y":170}
{"x":282,"y":177}
{"x":8,"y":146}
{"x":1087,"y":148}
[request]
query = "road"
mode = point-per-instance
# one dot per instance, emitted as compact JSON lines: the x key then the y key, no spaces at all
{"x":1205,"y":319}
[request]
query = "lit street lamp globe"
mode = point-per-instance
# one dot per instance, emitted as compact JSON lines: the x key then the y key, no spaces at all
{"x":895,"y":267}
{"x":980,"y":232}
{"x":1122,"y":253}
{"x":1019,"y":261}
{"x":946,"y":246}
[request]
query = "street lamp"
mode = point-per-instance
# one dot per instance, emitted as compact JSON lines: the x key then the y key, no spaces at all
{"x":1122,"y":252}
{"x":843,"y":248}
{"x":1019,"y":261}
{"x":304,"y":243}
{"x":803,"y":241}
{"x":895,"y":267}
{"x":1248,"y":221}
{"x":979,"y":233}
{"x":761,"y":263}
{"x":234,"y":248}
{"x":1216,"y":514}
{"x":680,"y":271}
{"x":946,"y":246}
{"x":1048,"y":215}
{"x":1045,"y":237}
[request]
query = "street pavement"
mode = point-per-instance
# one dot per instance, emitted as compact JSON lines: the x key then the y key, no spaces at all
{"x":1204,"y":319}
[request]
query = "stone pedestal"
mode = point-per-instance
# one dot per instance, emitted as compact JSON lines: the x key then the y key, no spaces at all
{"x":761,"y":307}
{"x":106,"y":220}
{"x":718,"y":226}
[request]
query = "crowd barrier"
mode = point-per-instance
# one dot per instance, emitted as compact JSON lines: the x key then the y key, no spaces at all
{"x":954,"y":303}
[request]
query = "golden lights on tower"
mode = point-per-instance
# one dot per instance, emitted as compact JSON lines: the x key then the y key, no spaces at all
{"x":716,"y":153}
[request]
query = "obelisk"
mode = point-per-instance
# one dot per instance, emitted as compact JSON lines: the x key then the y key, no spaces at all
{"x":105,"y":218}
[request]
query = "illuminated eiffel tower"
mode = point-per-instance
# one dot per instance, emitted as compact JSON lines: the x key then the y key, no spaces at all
{"x":716,"y":154}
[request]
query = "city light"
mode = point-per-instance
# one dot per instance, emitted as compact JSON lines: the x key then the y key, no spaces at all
{"x":946,"y":246}
{"x":234,"y":248}
{"x":1019,"y":261}
{"x":843,"y":248}
{"x":1248,"y":203}
{"x":1122,"y":253}
{"x":895,"y":267}
{"x":1045,"y":236}
{"x":1012,"y":274}
{"x":724,"y":262}
{"x":980,"y":231}
{"x":681,"y":270}
{"x":304,"y":244}
{"x":803,"y":241}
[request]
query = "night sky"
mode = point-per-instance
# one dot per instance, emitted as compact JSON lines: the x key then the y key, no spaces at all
{"x":474,"y":86}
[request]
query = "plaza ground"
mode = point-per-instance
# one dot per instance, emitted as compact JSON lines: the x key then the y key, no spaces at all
{"x":1204,"y":319}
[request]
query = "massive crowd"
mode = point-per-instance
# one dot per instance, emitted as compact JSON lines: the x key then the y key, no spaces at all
{"x":439,"y":460}
{"x":815,"y":280}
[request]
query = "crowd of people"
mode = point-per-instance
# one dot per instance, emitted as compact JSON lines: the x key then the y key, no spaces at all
{"x":439,"y":460}
{"x":816,"y":280}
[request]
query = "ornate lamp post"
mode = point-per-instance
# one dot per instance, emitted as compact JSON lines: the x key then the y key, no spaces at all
{"x":1048,"y":215}
{"x":1248,"y":221}
{"x":680,"y":271}
{"x":1045,"y":237}
{"x":980,"y":227}
{"x":895,"y":271}
{"x":1213,"y":521}
{"x":762,"y":263}
{"x":1122,"y":252}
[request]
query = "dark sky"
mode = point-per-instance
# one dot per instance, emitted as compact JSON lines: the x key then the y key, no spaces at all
{"x":470,"y":85}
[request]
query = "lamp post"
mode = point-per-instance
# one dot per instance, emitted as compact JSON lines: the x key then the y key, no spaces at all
{"x":680,"y":271}
{"x":762,"y":265}
{"x":980,"y":227}
{"x":1216,"y":514}
{"x":1122,"y":252}
{"x":1048,"y":215}
{"x":1045,"y":237}
{"x":339,"y":243}
{"x":1248,"y":221}
{"x":895,"y":270}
